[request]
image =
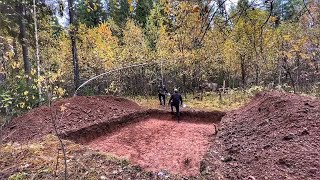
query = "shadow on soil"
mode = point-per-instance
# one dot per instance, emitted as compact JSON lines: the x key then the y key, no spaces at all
{"x":87,"y":134}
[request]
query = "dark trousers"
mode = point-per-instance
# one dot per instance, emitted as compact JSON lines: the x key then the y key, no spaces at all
{"x":177,"y":110}
{"x":162,"y":96}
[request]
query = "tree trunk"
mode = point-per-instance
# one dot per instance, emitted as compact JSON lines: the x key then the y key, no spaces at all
{"x":73,"y":45}
{"x":23,"y":40}
{"x":37,"y":47}
{"x":257,"y":69}
{"x":280,"y":74}
{"x":288,"y":73}
{"x":15,"y":51}
{"x":243,"y":70}
{"x":298,"y":72}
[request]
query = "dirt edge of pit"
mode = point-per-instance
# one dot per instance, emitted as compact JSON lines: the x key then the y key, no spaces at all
{"x":89,"y":133}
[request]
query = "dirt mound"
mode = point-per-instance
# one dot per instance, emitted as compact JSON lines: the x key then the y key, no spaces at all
{"x":72,"y":114}
{"x":276,"y":136}
{"x":38,"y":160}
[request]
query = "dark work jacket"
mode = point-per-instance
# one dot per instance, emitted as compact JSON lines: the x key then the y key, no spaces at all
{"x":162,"y":90}
{"x":176,"y":99}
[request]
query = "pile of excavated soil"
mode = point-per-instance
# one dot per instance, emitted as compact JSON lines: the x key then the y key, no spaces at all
{"x":72,"y":114}
{"x":156,"y":144}
{"x":276,"y":136}
{"x":38,"y":160}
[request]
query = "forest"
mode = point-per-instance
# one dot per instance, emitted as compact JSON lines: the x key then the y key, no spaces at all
{"x":238,"y":83}
{"x":50,"y":47}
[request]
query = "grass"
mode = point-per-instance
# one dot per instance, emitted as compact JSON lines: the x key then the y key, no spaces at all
{"x":210,"y":101}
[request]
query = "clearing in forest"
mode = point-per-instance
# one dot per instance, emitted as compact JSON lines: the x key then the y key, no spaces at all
{"x":274,"y":136}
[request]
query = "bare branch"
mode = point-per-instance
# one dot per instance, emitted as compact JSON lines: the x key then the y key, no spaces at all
{"x":53,"y":121}
{"x":305,"y":5}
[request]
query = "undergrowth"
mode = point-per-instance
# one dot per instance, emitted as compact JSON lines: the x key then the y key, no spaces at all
{"x":229,"y":100}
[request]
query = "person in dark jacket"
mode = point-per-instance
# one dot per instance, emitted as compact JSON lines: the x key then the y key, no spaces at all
{"x":176,"y":101}
{"x":162,"y":91}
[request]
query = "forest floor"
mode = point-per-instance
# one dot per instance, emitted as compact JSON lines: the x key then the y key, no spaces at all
{"x":210,"y":101}
{"x":274,"y":136}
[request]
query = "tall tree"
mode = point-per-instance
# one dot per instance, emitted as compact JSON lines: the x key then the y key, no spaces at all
{"x":119,"y":11}
{"x":288,"y":9}
{"x":16,"y":17}
{"x":91,"y":12}
{"x":159,"y":17}
{"x":15,"y":13}
{"x":243,"y":5}
{"x":73,"y":32}
{"x":142,"y":11}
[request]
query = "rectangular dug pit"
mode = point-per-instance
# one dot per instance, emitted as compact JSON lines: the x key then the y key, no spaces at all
{"x":158,"y":142}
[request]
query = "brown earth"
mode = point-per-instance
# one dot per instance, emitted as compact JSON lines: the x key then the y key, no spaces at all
{"x":38,"y":160}
{"x":275,"y":136}
{"x":156,"y":144}
{"x":79,"y":112}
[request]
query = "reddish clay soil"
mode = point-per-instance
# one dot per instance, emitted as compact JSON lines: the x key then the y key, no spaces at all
{"x":275,"y":136}
{"x":80,"y":112}
{"x":156,"y":144}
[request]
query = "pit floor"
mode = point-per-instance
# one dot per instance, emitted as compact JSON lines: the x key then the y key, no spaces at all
{"x":156,"y":144}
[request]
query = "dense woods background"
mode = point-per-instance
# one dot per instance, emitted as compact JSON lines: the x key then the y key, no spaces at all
{"x":269,"y":43}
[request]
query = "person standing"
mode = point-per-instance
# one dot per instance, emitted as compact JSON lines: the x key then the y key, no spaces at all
{"x":162,"y":91}
{"x":176,"y":101}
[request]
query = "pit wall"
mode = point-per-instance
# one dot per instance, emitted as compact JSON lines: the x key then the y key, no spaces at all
{"x":89,"y":133}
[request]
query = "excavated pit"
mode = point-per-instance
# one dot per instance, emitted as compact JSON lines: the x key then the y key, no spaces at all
{"x":154,"y":139}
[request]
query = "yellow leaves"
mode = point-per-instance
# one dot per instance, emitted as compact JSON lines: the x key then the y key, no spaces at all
{"x":305,"y":56}
{"x":104,"y":30}
{"x":63,"y":107}
{"x":33,"y":72}
{"x":273,"y":19}
{"x":10,"y":54}
{"x":21,"y":105}
{"x":26,"y":93}
{"x":16,"y":65}
{"x":60,"y":91}
{"x":18,"y":76}
{"x":131,"y":5}
{"x":40,"y":80}
{"x":287,"y":37}
{"x":98,"y":48}
{"x":135,"y":48}
{"x":289,"y":55}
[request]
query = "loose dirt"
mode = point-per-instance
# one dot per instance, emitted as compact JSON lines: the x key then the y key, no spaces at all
{"x":79,"y":112}
{"x":157,"y":144}
{"x":275,"y":136}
